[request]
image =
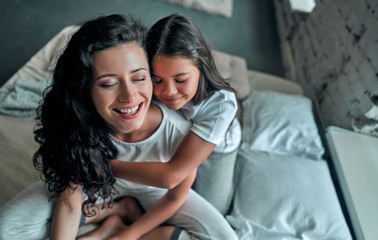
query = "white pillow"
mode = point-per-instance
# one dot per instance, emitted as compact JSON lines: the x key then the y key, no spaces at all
{"x":285,"y":197}
{"x":281,"y":123}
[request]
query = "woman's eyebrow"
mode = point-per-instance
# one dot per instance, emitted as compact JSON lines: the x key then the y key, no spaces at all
{"x":113,"y":74}
{"x":139,"y":69}
{"x":106,"y":75}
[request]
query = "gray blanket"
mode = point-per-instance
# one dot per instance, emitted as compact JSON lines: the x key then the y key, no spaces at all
{"x":23,"y":99}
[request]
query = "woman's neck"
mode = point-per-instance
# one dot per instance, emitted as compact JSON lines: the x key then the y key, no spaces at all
{"x":152,"y":122}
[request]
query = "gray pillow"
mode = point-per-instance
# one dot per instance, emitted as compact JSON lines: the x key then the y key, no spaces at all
{"x":285,"y":197}
{"x":281,"y":123}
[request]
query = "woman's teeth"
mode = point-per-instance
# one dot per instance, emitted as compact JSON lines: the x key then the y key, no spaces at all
{"x":129,"y":111}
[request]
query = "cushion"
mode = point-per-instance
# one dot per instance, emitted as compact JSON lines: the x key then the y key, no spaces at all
{"x":17,"y":147}
{"x":281,"y":123}
{"x":285,"y":197}
{"x":268,"y":82}
{"x":234,"y":69}
{"x":217,"y":7}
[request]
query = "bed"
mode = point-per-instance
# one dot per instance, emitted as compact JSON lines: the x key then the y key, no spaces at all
{"x":283,"y":187}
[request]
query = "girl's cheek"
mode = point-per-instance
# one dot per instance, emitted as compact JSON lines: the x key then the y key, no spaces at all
{"x":155,"y":89}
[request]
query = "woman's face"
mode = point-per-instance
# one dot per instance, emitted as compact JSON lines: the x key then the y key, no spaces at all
{"x":122,"y":89}
{"x":175,"y":80}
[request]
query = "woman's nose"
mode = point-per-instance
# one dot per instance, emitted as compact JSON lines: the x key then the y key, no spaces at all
{"x":127,"y":93}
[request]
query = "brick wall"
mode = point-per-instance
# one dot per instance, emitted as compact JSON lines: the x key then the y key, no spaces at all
{"x":333,"y":54}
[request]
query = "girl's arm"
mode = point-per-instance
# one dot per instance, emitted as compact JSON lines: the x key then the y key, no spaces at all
{"x":192,"y":151}
{"x":162,"y":210}
{"x":67,"y":214}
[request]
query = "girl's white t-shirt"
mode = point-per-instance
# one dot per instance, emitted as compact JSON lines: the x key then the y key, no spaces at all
{"x":211,"y":120}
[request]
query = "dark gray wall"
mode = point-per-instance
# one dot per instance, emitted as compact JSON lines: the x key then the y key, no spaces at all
{"x":333,"y":54}
{"x":25,"y":26}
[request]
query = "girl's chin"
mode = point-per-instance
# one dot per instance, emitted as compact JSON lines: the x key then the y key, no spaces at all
{"x":174,"y":107}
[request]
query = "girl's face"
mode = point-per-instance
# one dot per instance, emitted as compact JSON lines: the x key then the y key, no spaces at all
{"x":122,"y":89}
{"x":175,"y":80}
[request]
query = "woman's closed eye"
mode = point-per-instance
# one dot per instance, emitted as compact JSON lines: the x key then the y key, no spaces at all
{"x":140,"y":79}
{"x":107,"y":85}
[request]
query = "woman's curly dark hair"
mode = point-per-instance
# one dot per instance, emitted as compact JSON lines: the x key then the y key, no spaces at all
{"x":75,"y":143}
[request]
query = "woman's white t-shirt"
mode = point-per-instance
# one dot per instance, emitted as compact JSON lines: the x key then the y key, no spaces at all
{"x":159,"y":147}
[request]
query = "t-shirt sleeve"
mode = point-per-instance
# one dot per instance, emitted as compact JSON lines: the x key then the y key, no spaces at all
{"x":214,"y":116}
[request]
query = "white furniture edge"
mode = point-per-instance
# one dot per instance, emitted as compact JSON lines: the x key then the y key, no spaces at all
{"x":362,"y":228}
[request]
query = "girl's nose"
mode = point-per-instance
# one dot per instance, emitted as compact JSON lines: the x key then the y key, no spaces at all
{"x":169,"y":89}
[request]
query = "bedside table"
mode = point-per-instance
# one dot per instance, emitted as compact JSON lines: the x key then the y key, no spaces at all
{"x":355,"y":158}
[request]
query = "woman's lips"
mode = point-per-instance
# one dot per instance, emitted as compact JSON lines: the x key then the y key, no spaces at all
{"x":129,"y":113}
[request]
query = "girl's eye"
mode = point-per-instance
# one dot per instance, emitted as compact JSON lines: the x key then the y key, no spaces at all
{"x":180,"y":81}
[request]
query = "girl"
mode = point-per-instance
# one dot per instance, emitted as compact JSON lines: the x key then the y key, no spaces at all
{"x":186,"y":79}
{"x":99,"y":108}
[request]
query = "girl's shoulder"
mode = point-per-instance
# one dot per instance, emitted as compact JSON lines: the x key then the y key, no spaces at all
{"x":221,"y":102}
{"x":222,"y":95}
{"x":222,"y":99}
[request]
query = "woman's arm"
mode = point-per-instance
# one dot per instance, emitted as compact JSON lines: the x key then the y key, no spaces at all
{"x":162,"y":210}
{"x":67,"y":214}
{"x":192,"y":151}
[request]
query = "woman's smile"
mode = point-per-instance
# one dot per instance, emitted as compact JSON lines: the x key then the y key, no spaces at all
{"x":129,"y":112}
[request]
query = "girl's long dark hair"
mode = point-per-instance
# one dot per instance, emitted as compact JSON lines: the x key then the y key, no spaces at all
{"x":75,"y":144}
{"x":177,"y":35}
